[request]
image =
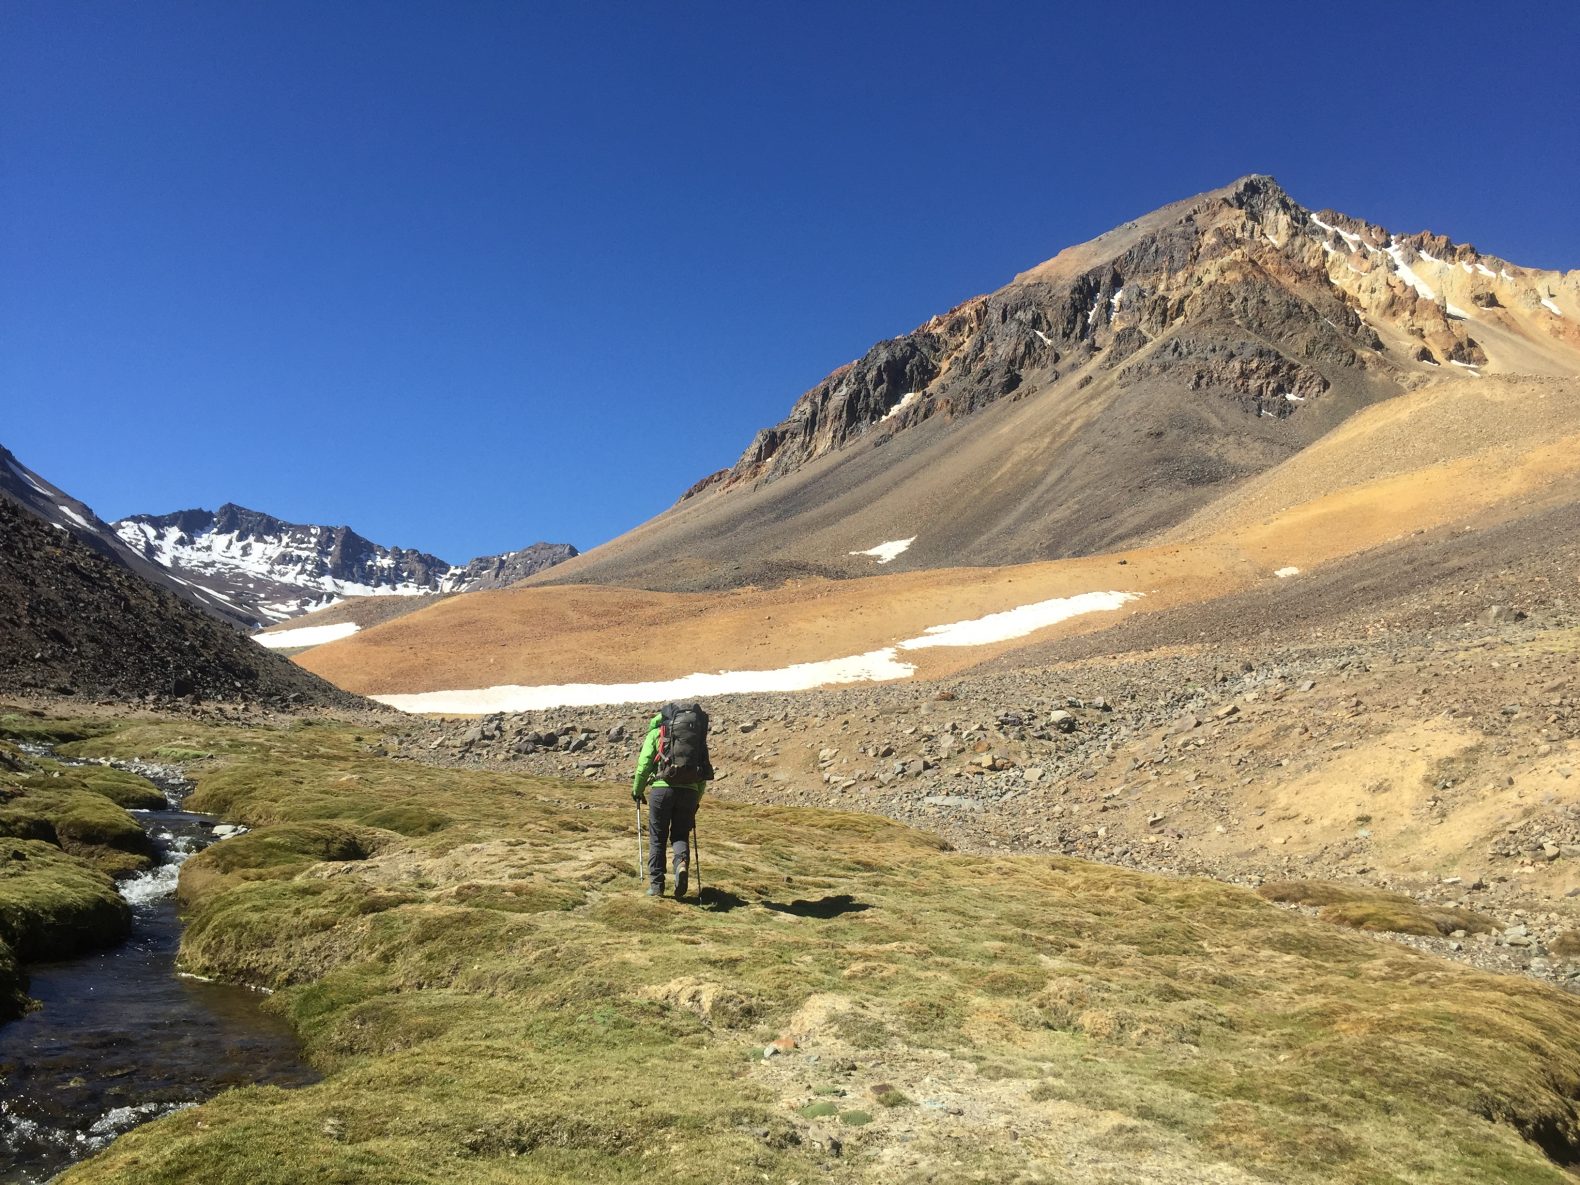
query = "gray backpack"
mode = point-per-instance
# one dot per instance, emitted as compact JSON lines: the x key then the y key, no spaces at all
{"x":683,"y":745}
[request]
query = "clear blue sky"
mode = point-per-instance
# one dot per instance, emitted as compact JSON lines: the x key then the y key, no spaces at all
{"x":467,"y":275}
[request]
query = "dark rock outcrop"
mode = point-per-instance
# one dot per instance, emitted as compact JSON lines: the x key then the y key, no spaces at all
{"x":501,"y":571}
{"x":75,"y":622}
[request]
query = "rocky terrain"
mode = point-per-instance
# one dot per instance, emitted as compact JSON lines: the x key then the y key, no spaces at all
{"x":512,"y":567}
{"x":47,"y":502}
{"x":275,"y":570}
{"x":74,"y":622}
{"x":1102,"y":396}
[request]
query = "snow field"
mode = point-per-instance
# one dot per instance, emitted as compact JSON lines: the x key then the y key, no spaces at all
{"x":307,"y":635}
{"x":875,"y":666}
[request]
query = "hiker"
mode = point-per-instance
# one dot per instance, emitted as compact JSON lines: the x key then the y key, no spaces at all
{"x":674,"y":765}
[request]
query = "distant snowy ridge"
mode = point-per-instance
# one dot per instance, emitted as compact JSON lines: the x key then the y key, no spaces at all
{"x":277,"y":570}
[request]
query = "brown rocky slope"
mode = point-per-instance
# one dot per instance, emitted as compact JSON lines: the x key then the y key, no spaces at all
{"x":1102,"y":396}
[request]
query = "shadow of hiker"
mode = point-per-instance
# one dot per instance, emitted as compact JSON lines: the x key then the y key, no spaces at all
{"x":823,"y":907}
{"x":719,"y":900}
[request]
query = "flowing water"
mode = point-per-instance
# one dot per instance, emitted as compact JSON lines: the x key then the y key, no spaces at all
{"x":121,"y":1037}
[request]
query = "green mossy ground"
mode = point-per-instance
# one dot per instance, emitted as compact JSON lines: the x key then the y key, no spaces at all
{"x":53,"y":905}
{"x":80,"y":809}
{"x":468,"y":958}
{"x":64,"y":833}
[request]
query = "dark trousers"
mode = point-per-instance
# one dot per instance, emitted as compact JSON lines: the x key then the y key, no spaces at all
{"x":671,"y":814}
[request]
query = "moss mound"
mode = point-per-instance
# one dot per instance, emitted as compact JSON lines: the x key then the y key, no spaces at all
{"x":39,"y":729}
{"x":77,"y":808}
{"x":1374,"y":909}
{"x":127,"y":790}
{"x":52,"y":905}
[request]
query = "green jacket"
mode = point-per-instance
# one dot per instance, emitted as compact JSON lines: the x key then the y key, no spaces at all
{"x":646,"y":765}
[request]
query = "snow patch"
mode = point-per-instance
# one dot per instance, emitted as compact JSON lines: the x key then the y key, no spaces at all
{"x":1406,"y":273}
{"x":27,"y":477}
{"x":1015,"y":623}
{"x":1456,"y":311}
{"x":906,"y":400}
{"x":1285,"y":573}
{"x":1353,"y":240}
{"x":887,"y":551}
{"x":307,"y":635}
{"x":1046,"y":340}
{"x":74,"y":516}
{"x":1551,"y":307}
{"x":876,"y":666}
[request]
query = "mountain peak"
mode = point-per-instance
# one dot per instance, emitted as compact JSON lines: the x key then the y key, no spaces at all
{"x":1107,"y":392}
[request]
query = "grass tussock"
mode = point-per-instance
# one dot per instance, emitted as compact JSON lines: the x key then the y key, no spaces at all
{"x":53,"y":905}
{"x":80,"y":809}
{"x":1362,"y":908}
{"x":493,"y":1000}
{"x":64,"y":833}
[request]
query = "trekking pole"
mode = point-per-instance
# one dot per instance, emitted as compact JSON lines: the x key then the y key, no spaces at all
{"x":696,"y":862}
{"x":639,"y":857}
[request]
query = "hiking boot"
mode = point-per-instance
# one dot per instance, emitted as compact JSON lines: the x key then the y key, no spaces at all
{"x":656,"y":889}
{"x":680,"y":881}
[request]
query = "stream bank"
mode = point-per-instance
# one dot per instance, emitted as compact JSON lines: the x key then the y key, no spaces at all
{"x":120,"y":1036}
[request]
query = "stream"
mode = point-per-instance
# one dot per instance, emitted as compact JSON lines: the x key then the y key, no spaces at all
{"x":121,"y":1037}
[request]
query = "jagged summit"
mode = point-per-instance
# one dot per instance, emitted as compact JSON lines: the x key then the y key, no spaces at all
{"x":278,"y":570}
{"x":1104,"y":394}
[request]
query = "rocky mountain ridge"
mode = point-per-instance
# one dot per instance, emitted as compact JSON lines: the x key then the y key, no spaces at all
{"x":277,"y":570}
{"x":1269,"y":264}
{"x":1103,"y":396}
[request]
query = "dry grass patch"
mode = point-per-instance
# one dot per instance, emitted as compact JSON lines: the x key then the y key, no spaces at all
{"x":1363,"y":908}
